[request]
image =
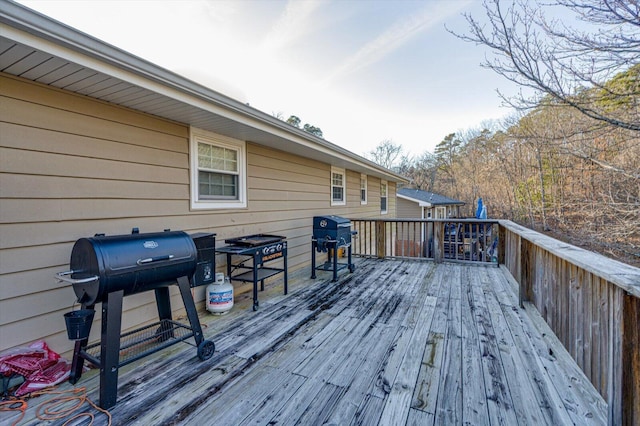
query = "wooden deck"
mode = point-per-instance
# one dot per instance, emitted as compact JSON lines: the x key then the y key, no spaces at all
{"x":396,"y":342}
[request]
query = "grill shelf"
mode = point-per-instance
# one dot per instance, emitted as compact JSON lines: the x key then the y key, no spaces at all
{"x":262,"y":274}
{"x":328,"y":266}
{"x":143,"y":341}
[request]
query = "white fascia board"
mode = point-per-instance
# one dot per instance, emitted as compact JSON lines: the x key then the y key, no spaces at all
{"x":120,"y":72}
{"x":42,"y":33}
{"x":419,"y":202}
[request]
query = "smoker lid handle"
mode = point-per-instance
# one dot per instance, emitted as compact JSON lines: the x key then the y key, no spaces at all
{"x":63,"y":276}
{"x":154,"y":259}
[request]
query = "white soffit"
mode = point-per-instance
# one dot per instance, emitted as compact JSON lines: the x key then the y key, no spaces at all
{"x":34,"y":47}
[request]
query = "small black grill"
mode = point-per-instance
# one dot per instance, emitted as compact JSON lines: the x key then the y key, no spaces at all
{"x":104,"y":269}
{"x":259,"y":249}
{"x":330,"y":233}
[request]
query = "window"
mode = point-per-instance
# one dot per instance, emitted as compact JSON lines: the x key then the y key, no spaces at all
{"x":363,"y":189}
{"x":383,"y":197}
{"x":218,"y":178}
{"x":441,"y":212}
{"x":337,"y":187}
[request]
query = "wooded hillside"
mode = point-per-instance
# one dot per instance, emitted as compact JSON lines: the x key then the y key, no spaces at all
{"x":553,"y":169}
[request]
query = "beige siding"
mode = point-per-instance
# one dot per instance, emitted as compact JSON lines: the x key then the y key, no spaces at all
{"x":353,"y":209}
{"x":71,"y":166}
{"x":408,"y":209}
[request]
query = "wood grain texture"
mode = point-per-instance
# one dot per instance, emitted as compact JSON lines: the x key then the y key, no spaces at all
{"x":395,"y":343}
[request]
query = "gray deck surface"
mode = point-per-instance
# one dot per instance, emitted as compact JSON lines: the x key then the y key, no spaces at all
{"x":396,"y":342}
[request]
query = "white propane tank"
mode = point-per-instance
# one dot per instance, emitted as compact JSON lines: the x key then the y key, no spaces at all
{"x":220,"y":295}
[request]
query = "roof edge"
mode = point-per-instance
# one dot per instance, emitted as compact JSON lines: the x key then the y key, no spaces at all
{"x":420,"y":202}
{"x":42,"y":26}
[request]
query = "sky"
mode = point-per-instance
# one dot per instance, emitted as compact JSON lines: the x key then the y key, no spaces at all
{"x":363,"y":71}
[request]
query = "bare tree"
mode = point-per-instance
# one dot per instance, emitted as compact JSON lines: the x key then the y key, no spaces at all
{"x":566,"y":65}
{"x":385,"y":154}
{"x":422,"y":170}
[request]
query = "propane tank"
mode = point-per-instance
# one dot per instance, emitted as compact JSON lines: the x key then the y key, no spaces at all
{"x":220,"y":295}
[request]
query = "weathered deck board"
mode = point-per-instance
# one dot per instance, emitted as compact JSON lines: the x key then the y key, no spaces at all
{"x":398,"y":401}
{"x":450,"y":407}
{"x":396,"y":342}
{"x":475,"y":352}
{"x":499,"y":401}
{"x":519,"y":385}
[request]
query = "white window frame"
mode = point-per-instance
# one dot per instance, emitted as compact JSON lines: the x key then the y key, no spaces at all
{"x":441,"y":212}
{"x":364,"y":184}
{"x":338,"y":171}
{"x":385,"y":195}
{"x":202,"y":136}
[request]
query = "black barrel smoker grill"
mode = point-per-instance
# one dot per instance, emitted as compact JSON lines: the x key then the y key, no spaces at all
{"x":104,"y":269}
{"x":329,"y":234}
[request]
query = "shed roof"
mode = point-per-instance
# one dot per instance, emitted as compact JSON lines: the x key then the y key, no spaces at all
{"x":426,"y":198}
{"x":38,"y":48}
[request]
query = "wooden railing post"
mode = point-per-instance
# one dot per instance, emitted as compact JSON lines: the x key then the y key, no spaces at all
{"x":502,"y":236}
{"x":623,"y":393}
{"x":631,"y":361}
{"x":381,"y":239}
{"x":526,"y":272}
{"x":438,"y":241}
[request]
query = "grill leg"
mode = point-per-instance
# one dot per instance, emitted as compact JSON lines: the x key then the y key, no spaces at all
{"x":110,"y":348}
{"x":349,"y":260}
{"x":78,"y":360}
{"x":314,"y":245}
{"x":335,"y":262}
{"x":286,"y":277}
{"x":163,"y":302}
{"x":255,"y":285}
{"x":190,"y":307}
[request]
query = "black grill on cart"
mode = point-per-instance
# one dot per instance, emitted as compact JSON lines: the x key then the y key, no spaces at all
{"x":104,"y":269}
{"x":258,"y":249}
{"x":330,"y":233}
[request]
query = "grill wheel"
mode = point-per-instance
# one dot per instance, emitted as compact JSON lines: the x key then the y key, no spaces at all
{"x":206,"y":348}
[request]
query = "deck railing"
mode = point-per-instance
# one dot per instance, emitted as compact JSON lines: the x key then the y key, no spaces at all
{"x":591,"y":303}
{"x":463,"y":240}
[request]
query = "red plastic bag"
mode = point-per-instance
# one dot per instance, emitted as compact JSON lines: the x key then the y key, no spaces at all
{"x":38,"y":364}
{"x":57,"y":373}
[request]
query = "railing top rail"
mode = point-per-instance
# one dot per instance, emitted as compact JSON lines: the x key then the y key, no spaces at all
{"x":624,"y":276}
{"x":458,"y":220}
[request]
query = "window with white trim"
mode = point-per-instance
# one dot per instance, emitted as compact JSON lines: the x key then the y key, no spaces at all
{"x":218,"y":171}
{"x":338,"y":182}
{"x":383,"y":197}
{"x":363,"y":189}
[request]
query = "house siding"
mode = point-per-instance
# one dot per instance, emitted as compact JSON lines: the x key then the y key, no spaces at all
{"x":72,"y":166}
{"x":408,"y":209}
